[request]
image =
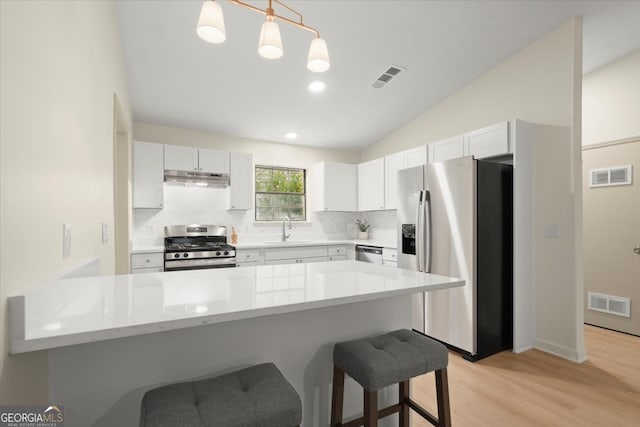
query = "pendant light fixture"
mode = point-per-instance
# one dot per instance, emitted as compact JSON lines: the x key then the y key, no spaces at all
{"x":211,"y":29}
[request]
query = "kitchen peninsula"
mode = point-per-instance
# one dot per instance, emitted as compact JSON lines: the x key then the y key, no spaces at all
{"x":104,"y":352}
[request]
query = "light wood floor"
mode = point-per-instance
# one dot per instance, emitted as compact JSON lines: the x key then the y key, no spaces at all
{"x":537,"y":389}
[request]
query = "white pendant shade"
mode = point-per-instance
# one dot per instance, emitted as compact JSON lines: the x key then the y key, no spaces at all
{"x":318,"y":59}
{"x":211,"y":23}
{"x":270,"y":44}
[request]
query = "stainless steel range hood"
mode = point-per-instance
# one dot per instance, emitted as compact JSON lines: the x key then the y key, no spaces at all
{"x":204,"y":179}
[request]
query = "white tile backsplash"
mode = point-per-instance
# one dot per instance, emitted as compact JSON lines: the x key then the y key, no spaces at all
{"x":204,"y":205}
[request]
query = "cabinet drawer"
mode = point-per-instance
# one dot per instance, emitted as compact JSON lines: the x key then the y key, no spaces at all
{"x":389,"y":254}
{"x":337,"y":250}
{"x":146,"y":260}
{"x":295,"y":253}
{"x":147,"y":270}
{"x":337,"y":257}
{"x":252,"y":255}
{"x":296,"y":260}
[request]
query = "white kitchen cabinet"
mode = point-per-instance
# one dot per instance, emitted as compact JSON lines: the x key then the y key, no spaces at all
{"x":390,"y":257}
{"x":446,"y":149}
{"x":296,"y":260}
{"x":371,"y":185}
{"x":148,"y":175}
{"x":182,"y":158}
{"x":246,"y":257}
{"x":147,"y":262}
{"x":416,"y":156}
{"x":334,"y":187}
{"x":294,"y":254}
{"x":392,"y":164}
{"x":213,"y":161}
{"x":241,"y":181}
{"x":488,"y":142}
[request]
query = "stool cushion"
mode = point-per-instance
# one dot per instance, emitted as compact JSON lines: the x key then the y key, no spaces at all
{"x":255,"y":396}
{"x":391,"y":358}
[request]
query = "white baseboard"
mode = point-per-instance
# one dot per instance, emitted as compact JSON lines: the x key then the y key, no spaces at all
{"x":577,"y":356}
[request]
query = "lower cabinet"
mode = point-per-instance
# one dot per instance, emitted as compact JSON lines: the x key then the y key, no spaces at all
{"x":291,"y":255}
{"x":147,"y":262}
{"x":297,"y":254}
{"x":390,"y":257}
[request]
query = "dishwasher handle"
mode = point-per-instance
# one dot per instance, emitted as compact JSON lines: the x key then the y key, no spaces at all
{"x":369,"y":249}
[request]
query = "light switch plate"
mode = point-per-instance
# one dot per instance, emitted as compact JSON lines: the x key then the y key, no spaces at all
{"x":551,"y":231}
{"x":66,"y":240}
{"x":105,"y":233}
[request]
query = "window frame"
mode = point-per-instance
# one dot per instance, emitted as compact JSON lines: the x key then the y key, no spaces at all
{"x":303,"y":194}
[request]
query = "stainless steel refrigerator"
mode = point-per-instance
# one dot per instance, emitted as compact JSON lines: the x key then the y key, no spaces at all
{"x":455,"y":219}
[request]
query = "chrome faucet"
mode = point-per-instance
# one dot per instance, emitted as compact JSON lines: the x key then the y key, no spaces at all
{"x":284,"y":235}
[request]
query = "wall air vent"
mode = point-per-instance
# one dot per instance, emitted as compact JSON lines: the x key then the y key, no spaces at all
{"x":618,"y":175}
{"x":619,"y":306}
{"x":391,"y":73}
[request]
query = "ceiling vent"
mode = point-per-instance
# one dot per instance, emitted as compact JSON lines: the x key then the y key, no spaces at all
{"x":391,"y":73}
{"x":618,"y":175}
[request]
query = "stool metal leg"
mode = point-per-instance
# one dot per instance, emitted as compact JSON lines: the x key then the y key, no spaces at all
{"x":370,"y":408}
{"x":337,"y":397}
{"x":442,"y":390}
{"x":403,"y":397}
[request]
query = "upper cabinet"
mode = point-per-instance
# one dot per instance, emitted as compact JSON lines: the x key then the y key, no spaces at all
{"x":241,"y":181}
{"x":178,"y":157}
{"x":334,"y":187}
{"x":447,"y":149}
{"x":488,"y":142}
{"x":392,"y":164}
{"x":213,"y":161}
{"x":148,"y":175}
{"x":416,"y":156}
{"x":371,"y":183}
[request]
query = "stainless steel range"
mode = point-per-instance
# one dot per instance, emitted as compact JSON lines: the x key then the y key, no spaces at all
{"x":190,"y":247}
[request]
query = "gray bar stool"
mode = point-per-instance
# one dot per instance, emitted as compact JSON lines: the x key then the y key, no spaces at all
{"x":255,"y":396}
{"x":380,"y":361}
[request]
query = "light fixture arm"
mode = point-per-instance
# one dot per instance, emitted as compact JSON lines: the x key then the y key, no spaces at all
{"x":269,"y":12}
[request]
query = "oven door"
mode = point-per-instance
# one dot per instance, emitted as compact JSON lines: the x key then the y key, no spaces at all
{"x":198,"y":264}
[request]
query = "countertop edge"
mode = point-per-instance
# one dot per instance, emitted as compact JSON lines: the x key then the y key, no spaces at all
{"x":27,"y":345}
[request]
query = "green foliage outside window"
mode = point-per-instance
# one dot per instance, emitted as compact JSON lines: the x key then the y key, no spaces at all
{"x":280,"y":192}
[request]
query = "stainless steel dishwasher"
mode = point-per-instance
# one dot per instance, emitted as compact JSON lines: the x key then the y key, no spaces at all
{"x":370,"y":254}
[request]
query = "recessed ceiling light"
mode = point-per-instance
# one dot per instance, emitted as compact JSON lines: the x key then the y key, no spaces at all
{"x":316,"y":86}
{"x":291,"y":135}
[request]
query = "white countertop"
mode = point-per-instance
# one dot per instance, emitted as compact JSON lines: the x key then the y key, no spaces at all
{"x":290,"y":243}
{"x":76,"y":311}
{"x":137,"y":249}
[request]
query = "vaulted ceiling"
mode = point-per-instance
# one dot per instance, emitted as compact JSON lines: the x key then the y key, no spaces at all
{"x":177,"y":79}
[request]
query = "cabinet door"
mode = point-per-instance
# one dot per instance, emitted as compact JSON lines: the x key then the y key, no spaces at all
{"x":334,"y":187}
{"x":488,"y":142}
{"x":148,"y":175}
{"x":416,"y":156}
{"x":392,"y":164}
{"x":371,"y":185}
{"x":213,"y":161}
{"x":450,"y":148}
{"x":241,"y":181}
{"x":177,"y":157}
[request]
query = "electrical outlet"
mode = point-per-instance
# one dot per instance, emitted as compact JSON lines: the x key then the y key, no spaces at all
{"x":105,"y":233}
{"x":66,"y":240}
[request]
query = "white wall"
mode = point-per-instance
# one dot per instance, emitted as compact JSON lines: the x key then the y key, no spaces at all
{"x":61,"y":66}
{"x":193,"y":205}
{"x":539,"y":84}
{"x":611,"y":101}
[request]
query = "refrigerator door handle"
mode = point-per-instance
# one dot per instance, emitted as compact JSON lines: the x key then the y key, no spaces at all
{"x":419,"y":235}
{"x":427,"y":235}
